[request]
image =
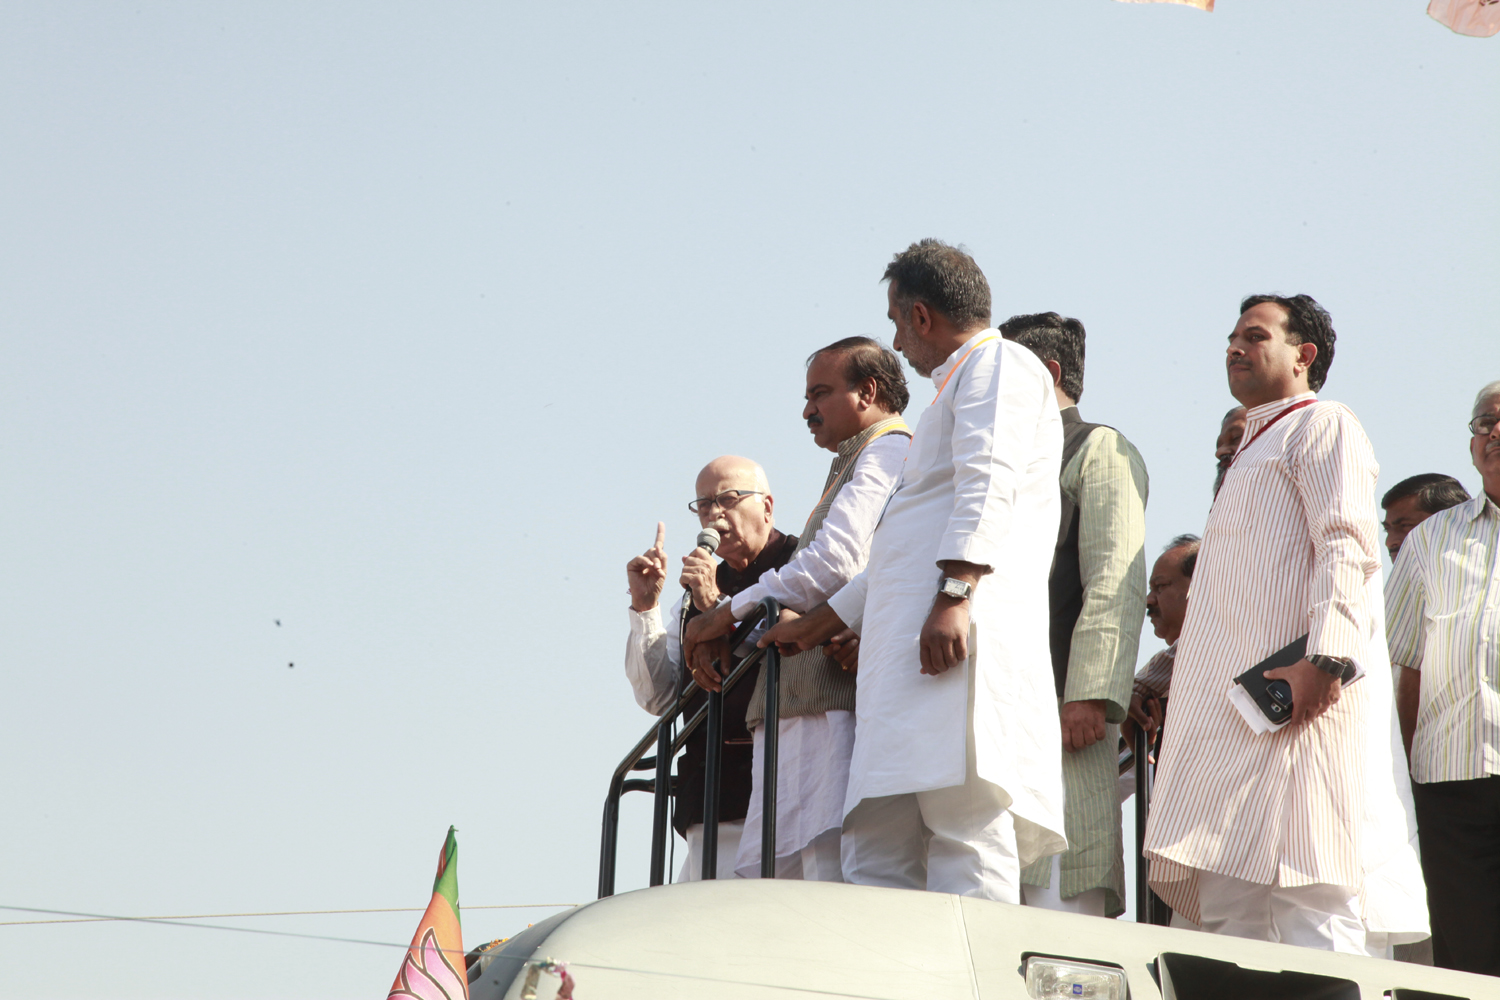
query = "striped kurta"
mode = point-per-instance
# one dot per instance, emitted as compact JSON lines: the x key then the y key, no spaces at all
{"x":1290,"y":548}
{"x":1444,"y":608}
{"x":1106,"y":480}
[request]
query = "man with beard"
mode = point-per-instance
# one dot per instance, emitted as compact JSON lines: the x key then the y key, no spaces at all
{"x":1231,"y":432}
{"x":956,"y":781}
{"x":1444,"y":606}
{"x":1283,"y":835}
{"x":855,"y":395}
{"x":734,"y":498}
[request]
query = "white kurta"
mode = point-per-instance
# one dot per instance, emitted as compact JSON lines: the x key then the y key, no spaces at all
{"x":980,"y":486}
{"x":813,"y":750}
{"x":1290,"y":548}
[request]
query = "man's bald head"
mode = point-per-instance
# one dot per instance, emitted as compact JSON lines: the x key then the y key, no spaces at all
{"x":745,"y":474}
{"x":744,"y":522}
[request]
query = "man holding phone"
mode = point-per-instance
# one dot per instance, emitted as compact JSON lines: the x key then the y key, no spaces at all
{"x":1273,"y":835}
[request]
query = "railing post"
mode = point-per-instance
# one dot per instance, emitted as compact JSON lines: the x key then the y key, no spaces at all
{"x":712,"y":761}
{"x":771,"y":670}
{"x":609,"y":840}
{"x":1142,"y":802}
{"x":662,"y":798}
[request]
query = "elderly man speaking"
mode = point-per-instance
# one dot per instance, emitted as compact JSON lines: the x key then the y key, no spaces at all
{"x":734,"y":498}
{"x":956,"y":782}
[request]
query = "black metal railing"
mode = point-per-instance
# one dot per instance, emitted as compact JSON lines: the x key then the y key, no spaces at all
{"x":1149,"y":908}
{"x":711,"y":715}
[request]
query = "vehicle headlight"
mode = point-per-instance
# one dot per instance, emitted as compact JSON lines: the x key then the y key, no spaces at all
{"x":1065,"y":977}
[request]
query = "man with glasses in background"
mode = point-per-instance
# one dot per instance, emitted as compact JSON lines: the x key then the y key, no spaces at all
{"x":734,"y":498}
{"x":1443,"y":605}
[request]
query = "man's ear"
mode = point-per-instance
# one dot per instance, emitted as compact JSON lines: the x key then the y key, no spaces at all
{"x":921,"y":319}
{"x":868,"y":391}
{"x":1306,"y":355}
{"x":1056,"y":371}
{"x":770,"y":502}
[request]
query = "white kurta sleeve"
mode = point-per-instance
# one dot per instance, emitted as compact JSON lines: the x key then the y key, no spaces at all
{"x":849,"y":602}
{"x":997,"y":404}
{"x":653,"y":658}
{"x":842,"y":545}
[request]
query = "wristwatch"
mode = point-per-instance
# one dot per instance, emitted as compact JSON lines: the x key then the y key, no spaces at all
{"x":1335,"y":666}
{"x":956,"y":589}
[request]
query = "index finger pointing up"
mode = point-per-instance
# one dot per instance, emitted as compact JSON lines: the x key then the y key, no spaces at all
{"x":661,"y":536}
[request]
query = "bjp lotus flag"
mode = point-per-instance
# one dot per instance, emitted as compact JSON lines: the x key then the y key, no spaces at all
{"x":1480,"y":18}
{"x":1207,"y":5}
{"x":434,"y":964}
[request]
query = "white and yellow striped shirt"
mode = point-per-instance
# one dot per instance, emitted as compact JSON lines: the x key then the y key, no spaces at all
{"x":1443,"y":605}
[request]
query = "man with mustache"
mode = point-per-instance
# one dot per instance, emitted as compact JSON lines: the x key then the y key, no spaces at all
{"x":956,"y":781}
{"x":1231,"y":433}
{"x":1280,"y":835}
{"x":1166,"y":607}
{"x":1444,"y":608}
{"x":734,"y":498}
{"x":856,"y":392}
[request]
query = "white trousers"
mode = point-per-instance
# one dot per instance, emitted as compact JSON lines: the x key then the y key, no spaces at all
{"x":960,"y":840}
{"x":820,"y":861}
{"x":729,"y":846}
{"x":1314,"y":916}
{"x":1090,"y":902}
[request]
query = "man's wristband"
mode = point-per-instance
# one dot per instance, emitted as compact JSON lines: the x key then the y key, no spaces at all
{"x":1334,"y":666}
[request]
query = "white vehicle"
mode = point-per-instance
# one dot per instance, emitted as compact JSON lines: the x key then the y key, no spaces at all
{"x":765,"y":938}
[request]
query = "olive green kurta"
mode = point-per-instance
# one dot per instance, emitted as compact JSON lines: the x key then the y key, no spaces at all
{"x":1107,"y":481}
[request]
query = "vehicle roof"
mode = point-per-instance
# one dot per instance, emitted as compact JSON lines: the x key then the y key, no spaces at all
{"x":753,"y":938}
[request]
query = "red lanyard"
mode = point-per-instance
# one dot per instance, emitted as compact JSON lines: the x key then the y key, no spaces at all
{"x":1256,"y":436}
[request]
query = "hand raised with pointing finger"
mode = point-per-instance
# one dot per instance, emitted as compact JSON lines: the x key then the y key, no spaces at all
{"x":647,"y":573}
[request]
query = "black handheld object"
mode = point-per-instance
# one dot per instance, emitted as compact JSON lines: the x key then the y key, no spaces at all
{"x":1273,"y":698}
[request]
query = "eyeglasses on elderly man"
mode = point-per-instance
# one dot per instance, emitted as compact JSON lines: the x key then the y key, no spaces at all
{"x":724,"y":501}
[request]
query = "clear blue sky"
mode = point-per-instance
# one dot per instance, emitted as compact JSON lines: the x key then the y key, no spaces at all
{"x":404,"y":327}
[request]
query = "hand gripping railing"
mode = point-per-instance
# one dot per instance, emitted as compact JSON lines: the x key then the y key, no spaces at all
{"x":667,"y":748}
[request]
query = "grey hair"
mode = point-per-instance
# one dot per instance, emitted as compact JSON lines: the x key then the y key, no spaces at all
{"x":1189,"y":558}
{"x":1488,"y":392}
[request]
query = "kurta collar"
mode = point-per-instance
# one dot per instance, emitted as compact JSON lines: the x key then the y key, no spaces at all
{"x":941,"y":371}
{"x":1263,"y":414}
{"x":854,"y":442}
{"x":1481,"y":504}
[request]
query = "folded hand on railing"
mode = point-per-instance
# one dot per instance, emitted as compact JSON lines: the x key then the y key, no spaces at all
{"x":710,"y":663}
{"x":705,"y":628}
{"x":812,"y":629}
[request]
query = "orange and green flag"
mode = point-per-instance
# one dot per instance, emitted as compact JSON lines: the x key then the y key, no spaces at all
{"x":434,"y":965}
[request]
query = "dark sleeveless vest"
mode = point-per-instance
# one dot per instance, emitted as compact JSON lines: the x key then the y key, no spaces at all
{"x":1065,"y":584}
{"x":735,"y":762}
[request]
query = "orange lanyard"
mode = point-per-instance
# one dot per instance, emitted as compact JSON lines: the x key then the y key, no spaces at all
{"x":954,"y":370}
